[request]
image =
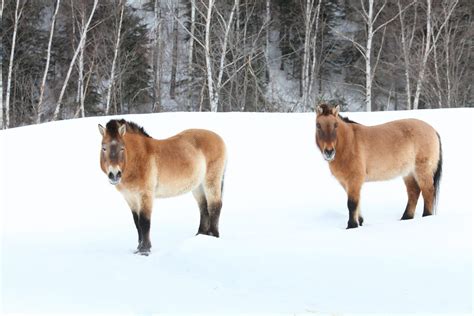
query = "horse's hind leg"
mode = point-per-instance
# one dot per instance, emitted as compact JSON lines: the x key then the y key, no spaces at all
{"x":213,"y":191}
{"x":204,"y":223}
{"x":426,"y":183}
{"x":413,"y":191}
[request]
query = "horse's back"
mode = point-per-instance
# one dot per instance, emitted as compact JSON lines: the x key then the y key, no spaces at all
{"x":399,"y":147}
{"x":186,"y":159}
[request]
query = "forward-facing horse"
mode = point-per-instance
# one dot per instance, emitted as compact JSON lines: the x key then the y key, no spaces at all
{"x":356,"y":153}
{"x":143,"y":168}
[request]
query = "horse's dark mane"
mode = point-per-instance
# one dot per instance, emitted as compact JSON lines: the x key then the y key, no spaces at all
{"x":327,"y":110}
{"x":114,"y":125}
{"x":347,"y":120}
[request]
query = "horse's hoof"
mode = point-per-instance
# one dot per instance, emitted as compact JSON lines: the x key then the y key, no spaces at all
{"x":142,"y":252}
{"x":352,"y":225}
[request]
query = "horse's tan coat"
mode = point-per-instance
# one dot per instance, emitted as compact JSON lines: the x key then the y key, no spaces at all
{"x":408,"y":148}
{"x":193,"y":160}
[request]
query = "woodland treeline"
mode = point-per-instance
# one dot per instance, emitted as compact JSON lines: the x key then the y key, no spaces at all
{"x":63,"y":59}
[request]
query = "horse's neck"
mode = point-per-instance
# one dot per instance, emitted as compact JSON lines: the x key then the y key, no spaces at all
{"x":346,"y":139}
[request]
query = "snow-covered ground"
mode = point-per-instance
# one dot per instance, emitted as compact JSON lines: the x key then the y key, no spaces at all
{"x":68,"y":236}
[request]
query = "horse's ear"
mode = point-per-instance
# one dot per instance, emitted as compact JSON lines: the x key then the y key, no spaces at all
{"x":122,"y":129}
{"x":319,"y":109}
{"x":102,"y":130}
{"x":335,"y":110}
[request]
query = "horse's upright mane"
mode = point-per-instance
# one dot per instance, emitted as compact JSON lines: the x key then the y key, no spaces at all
{"x":347,"y":120}
{"x":327,"y":110}
{"x":114,"y":125}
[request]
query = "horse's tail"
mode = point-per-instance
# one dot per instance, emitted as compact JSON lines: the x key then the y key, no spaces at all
{"x":222,"y":181}
{"x":437,"y":173}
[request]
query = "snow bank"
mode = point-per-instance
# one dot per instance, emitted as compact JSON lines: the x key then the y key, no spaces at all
{"x":68,"y":236}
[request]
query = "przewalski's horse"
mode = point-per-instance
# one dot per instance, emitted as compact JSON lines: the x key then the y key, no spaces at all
{"x":356,"y":153}
{"x":143,"y":168}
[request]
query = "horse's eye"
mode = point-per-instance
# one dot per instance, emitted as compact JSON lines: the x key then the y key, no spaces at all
{"x":318,"y":126}
{"x":122,"y":149}
{"x":335,"y":125}
{"x":104,"y":149}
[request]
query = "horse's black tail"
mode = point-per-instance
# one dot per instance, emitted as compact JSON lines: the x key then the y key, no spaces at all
{"x":222,"y":182}
{"x":437,"y":174}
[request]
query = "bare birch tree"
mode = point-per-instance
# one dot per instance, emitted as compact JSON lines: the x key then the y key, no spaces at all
{"x":214,"y":86}
{"x":114,"y":60}
{"x":71,"y":65}
{"x":1,"y":70}
{"x":174,"y":54}
{"x":191,"y":51}
{"x":18,"y":13}
{"x":157,"y":56}
{"x":39,"y":110}
{"x":431,"y":40}
{"x":407,"y":36}
{"x":311,"y":24}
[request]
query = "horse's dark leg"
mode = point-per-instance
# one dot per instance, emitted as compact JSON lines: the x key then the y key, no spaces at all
{"x":144,"y":224}
{"x":137,"y":225}
{"x":353,"y":197}
{"x":215,"y":212}
{"x":144,"y":217}
{"x":413,"y":191}
{"x":204,"y":223}
{"x":428,"y":192}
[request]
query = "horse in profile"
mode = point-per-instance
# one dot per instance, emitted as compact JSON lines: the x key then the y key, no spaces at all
{"x":356,"y":153}
{"x":143,"y":168}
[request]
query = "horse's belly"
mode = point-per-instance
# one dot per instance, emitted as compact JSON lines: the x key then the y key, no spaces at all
{"x":175,"y":189}
{"x":400,"y":169}
{"x":169,"y":186}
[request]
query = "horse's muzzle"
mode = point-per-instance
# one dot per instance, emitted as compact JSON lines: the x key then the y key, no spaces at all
{"x":329,"y":154}
{"x":114,"y":177}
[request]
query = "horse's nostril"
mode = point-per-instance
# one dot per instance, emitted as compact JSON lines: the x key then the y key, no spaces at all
{"x":119,"y":174}
{"x":111,"y":176}
{"x":329,"y":151}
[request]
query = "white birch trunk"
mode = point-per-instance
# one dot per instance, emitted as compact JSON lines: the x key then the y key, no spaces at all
{"x":81,"y":65}
{"x":114,"y":60}
{"x":1,"y":71}
{"x":68,"y":75}
{"x":18,"y":13}
{"x":314,"y":58}
{"x":174,"y":55}
{"x":39,"y":110}
{"x":368,"y":58}
{"x":267,"y":36}
{"x":224,"y":46}
{"x":213,"y":97}
{"x":306,"y":53}
{"x":191,"y":50}
{"x":156,"y":57}
{"x":406,"y":60}
{"x":426,"y":52}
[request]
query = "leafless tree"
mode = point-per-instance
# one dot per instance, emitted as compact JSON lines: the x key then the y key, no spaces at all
{"x":71,"y":65}
{"x":18,"y":14}
{"x":114,"y":61}
{"x":39,"y":109}
{"x":1,"y":70}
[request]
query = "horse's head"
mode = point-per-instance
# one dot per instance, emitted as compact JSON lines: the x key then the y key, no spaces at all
{"x":326,"y":130}
{"x":113,"y":155}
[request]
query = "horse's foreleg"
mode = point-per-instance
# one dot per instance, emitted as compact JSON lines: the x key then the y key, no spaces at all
{"x":137,"y":225}
{"x":144,"y":218}
{"x":353,"y":198}
{"x":413,"y":191}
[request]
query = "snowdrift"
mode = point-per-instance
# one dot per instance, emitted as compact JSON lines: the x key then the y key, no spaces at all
{"x":68,"y":236}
